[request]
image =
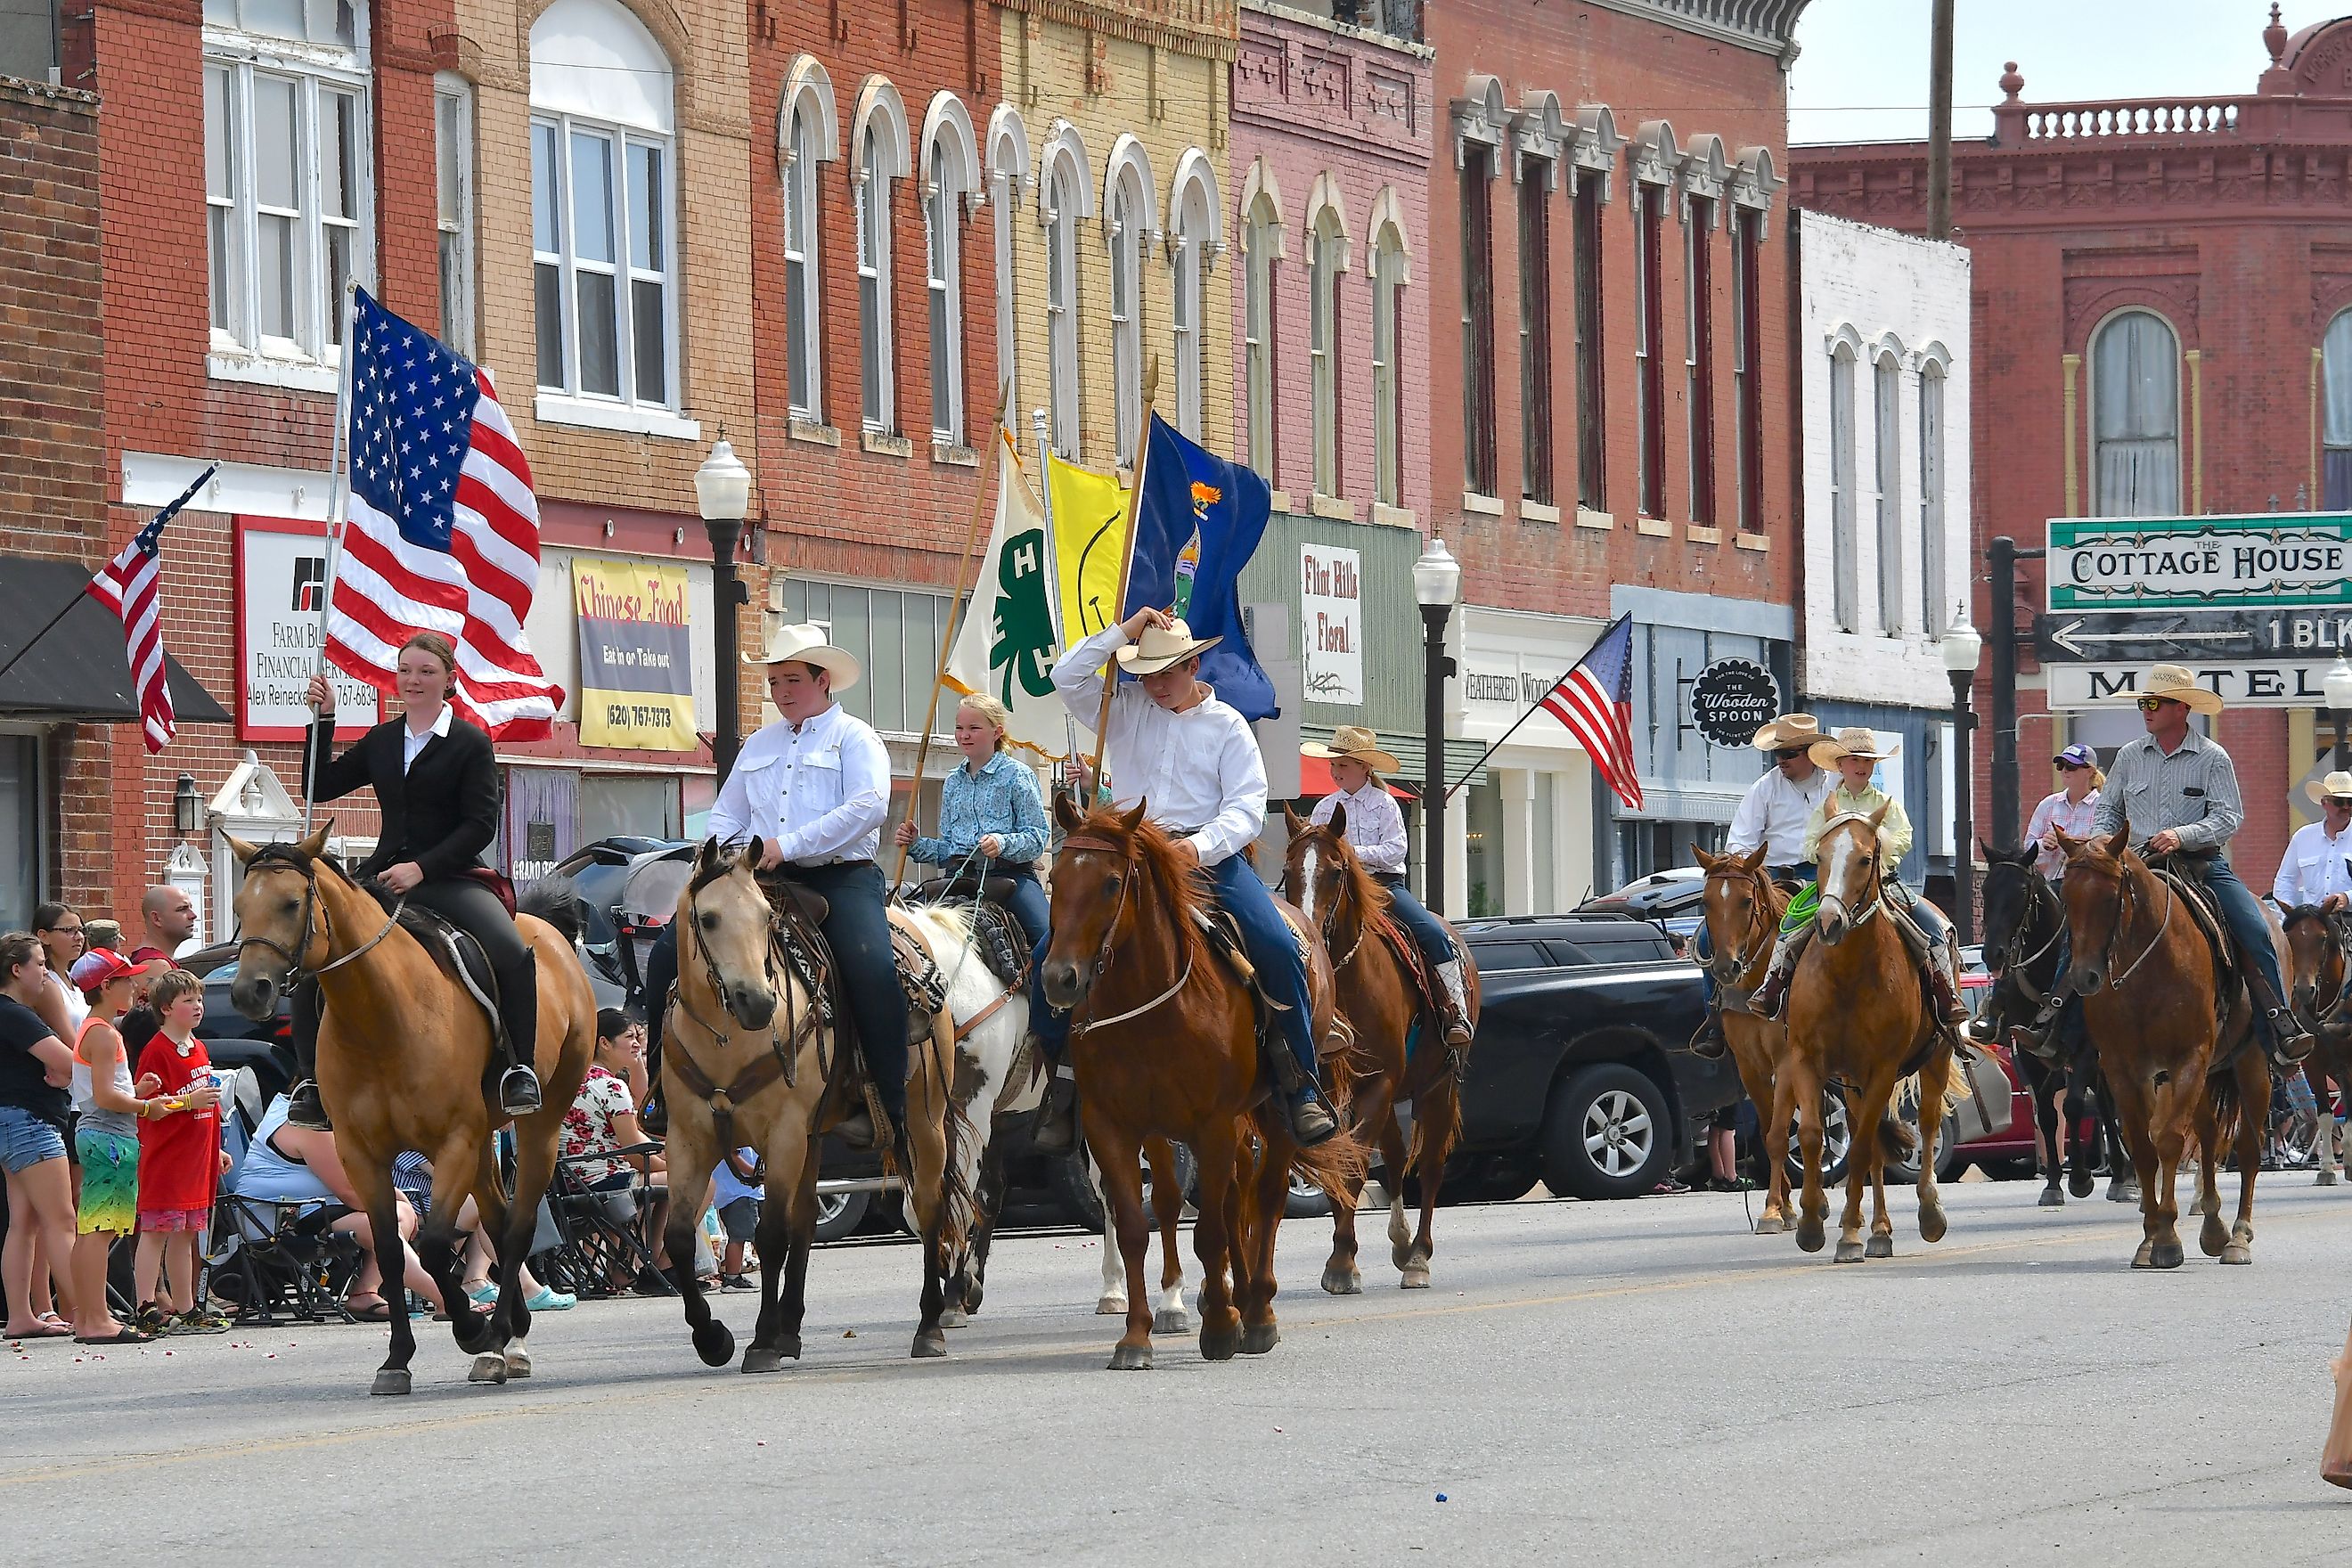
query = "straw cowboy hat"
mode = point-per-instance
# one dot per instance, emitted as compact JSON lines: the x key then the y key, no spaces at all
{"x":1161,"y":646}
{"x":805,"y":643}
{"x":1853,"y":743}
{"x":2336,"y":785}
{"x":1789,"y":731}
{"x":1357,"y":744}
{"x":2171,"y":680}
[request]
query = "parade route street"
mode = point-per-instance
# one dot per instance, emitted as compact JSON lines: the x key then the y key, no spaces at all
{"x":1611,"y":1383}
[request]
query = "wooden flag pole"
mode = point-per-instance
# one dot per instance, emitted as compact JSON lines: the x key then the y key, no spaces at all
{"x":991,"y":474}
{"x":339,"y":501}
{"x":1093,"y":781}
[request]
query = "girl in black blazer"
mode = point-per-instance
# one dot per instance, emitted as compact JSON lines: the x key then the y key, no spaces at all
{"x":436,"y":784}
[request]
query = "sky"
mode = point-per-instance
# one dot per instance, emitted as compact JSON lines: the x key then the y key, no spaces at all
{"x":1861,"y":72}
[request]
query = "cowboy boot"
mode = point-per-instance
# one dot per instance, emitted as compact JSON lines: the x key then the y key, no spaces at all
{"x":1710,"y":1041}
{"x":303,"y":1107}
{"x":1310,"y":1121}
{"x":2289,"y":1041}
{"x":519,"y":1093}
{"x":1454,"y":1006}
{"x":1055,"y":1130}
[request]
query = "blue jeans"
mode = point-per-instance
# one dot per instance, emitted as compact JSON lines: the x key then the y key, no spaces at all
{"x":1427,"y":929}
{"x":1703,"y":945}
{"x":1930,"y":920}
{"x":2240,"y":913}
{"x":26,"y":1141}
{"x":1028,"y":906}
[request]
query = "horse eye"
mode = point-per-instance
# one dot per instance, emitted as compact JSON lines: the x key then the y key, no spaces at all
{"x":289,"y":905}
{"x":710,"y":922}
{"x":1112,"y":884}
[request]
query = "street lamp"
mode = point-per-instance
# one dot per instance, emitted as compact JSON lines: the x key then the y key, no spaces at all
{"x":722,"y":490}
{"x":1437,"y":585}
{"x":2337,"y":683}
{"x":1962,"y":648}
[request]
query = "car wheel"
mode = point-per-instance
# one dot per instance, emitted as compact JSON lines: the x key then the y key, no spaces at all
{"x":1608,"y":1134}
{"x":1837,"y":1141}
{"x":1305,"y":1200}
{"x":840,"y":1214}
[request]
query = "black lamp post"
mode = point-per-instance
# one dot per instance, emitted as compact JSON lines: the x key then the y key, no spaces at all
{"x":1962,"y":648}
{"x":1437,"y":585}
{"x":722,"y":490}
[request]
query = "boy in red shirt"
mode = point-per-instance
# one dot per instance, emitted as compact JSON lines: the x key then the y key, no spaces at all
{"x":180,"y":1158}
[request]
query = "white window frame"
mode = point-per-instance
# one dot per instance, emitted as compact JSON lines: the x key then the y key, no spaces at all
{"x":805,"y":301}
{"x":622,"y":269}
{"x":1261,"y":247}
{"x":453,"y":153}
{"x":1064,"y":199}
{"x":1845,"y":546}
{"x":1008,"y":167}
{"x":869,"y":183}
{"x":1887,"y":432}
{"x":1327,"y":264}
{"x":1934,"y":381}
{"x":952,"y":188}
{"x":1193,"y":243}
{"x":2102,"y":504}
{"x":1392,"y":270}
{"x":1128,"y":239}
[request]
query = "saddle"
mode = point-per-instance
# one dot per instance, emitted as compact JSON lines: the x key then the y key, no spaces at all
{"x":1003,"y":946}
{"x":1416,"y":964}
{"x":460,"y":955}
{"x":1224,"y":937}
{"x":2184,"y":873}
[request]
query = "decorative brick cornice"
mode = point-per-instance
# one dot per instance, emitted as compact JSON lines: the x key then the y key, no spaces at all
{"x":1209,"y":28}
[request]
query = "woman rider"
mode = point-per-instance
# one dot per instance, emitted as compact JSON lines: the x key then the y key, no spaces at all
{"x":436,"y":784}
{"x":991,"y":816}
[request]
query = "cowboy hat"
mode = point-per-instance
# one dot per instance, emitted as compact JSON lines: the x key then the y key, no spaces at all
{"x":1161,"y":646}
{"x":2336,"y":785}
{"x":1356,"y":744}
{"x":1789,"y":732}
{"x":1853,"y":743}
{"x":806,"y":644}
{"x":2170,"y":681}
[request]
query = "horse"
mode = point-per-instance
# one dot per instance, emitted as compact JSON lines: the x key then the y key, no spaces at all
{"x":1323,"y":876}
{"x":1164,"y":1043}
{"x":734,"y":1075}
{"x":2315,"y":942}
{"x":1857,"y":1015}
{"x":403,"y":1051}
{"x":1743,"y":906}
{"x":2023,"y":923}
{"x":2179,"y":1057}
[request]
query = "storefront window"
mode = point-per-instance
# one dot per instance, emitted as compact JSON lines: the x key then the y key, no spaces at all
{"x":894,"y":632}
{"x":613,"y":804}
{"x":20,"y":830}
{"x":1483,"y":821}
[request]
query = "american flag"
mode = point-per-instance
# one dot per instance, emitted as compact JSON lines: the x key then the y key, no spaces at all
{"x":1595,"y":700}
{"x":443,"y":529}
{"x":127,"y":586}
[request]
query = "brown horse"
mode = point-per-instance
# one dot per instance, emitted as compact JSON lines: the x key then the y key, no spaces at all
{"x":2179,"y":1057}
{"x":1322,"y":875}
{"x":1743,"y":906}
{"x":1858,"y":1017}
{"x":2314,"y":977}
{"x":402,"y":1051}
{"x":1164,"y":1043}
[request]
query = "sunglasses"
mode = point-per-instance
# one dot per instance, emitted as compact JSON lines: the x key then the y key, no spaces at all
{"x":2150,"y":704}
{"x":1784,"y":756}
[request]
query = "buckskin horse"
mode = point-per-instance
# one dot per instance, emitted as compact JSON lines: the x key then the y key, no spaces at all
{"x":1163,"y":1040}
{"x":1743,"y":906}
{"x":1397,"y":1052}
{"x":2179,"y":1057}
{"x":2315,"y":942}
{"x":1858,"y":1016}
{"x":402,"y":1052}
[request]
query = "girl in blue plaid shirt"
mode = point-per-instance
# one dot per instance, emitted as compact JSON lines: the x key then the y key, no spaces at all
{"x":992,"y":816}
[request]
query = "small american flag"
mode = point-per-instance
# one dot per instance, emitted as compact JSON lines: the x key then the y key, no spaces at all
{"x":1595,"y":700}
{"x":127,"y":586}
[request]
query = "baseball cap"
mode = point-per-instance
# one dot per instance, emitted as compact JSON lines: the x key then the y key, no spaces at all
{"x":2077,"y":755}
{"x":101,"y":966}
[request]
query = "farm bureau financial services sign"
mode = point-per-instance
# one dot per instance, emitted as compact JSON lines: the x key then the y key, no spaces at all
{"x":2269,"y":560}
{"x":1331,"y":623}
{"x":636,"y":659}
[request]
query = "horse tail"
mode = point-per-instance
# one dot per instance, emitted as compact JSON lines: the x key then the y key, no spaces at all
{"x":2229,"y":1106}
{"x":555,"y":900}
{"x":1338,"y":1165}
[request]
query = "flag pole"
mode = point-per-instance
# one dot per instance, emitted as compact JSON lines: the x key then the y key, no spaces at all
{"x":63,"y":610}
{"x":1531,"y":709}
{"x":1054,"y":582}
{"x":1093,"y":782}
{"x":338,"y":493}
{"x":993,"y":471}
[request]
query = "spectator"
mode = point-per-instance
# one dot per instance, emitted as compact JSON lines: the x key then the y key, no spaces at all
{"x":180,"y":1159}
{"x":412,"y":1172}
{"x":106,"y":1139}
{"x":169,"y":917}
{"x":734,"y":1188}
{"x":603,"y":1118}
{"x":289,"y":1165}
{"x":35,"y":1072}
{"x":102,"y":933}
{"x":59,"y":929}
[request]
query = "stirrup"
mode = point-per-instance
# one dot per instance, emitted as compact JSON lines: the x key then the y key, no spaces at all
{"x":519,"y":1091}
{"x":2290,"y":1042}
{"x":1055,"y":1129}
{"x":305,"y":1110}
{"x":1710,"y":1042}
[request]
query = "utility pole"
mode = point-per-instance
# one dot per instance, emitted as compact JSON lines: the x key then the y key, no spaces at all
{"x":1939,"y":122}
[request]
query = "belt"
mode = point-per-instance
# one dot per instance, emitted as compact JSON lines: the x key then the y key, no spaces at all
{"x":789,"y":867}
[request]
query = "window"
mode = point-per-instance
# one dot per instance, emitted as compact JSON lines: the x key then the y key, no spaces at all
{"x":1534,"y":330}
{"x":1261,"y":243}
{"x":1193,"y":224}
{"x":1064,"y":205}
{"x":1886,"y":388}
{"x":286,"y":173}
{"x":871,"y":179}
{"x":1649,"y":345}
{"x":1748,"y":365}
{"x":807,"y":141}
{"x":941,"y":281}
{"x":1698,"y":354}
{"x":1591,"y":365}
{"x":1008,"y":164}
{"x":602,"y":206}
{"x":2135,"y":412}
{"x":1327,"y":263}
{"x":1130,"y":210}
{"x":2335,"y":431}
{"x":1478,"y":462}
{"x":894,"y":634}
{"x":1845,"y":546}
{"x":452,"y":154}
{"x":22,"y":812}
{"x":1388,"y":400}
{"x":1932,"y":607}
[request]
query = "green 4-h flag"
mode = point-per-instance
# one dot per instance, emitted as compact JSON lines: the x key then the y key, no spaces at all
{"x":1006,"y":645}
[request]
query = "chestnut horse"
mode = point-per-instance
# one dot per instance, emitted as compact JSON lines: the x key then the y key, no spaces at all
{"x":2315,"y":942}
{"x":1743,"y":906}
{"x":1858,"y":1016}
{"x":403,"y":1050}
{"x":1322,"y":875}
{"x":2179,"y":1057}
{"x":1163,"y":1040}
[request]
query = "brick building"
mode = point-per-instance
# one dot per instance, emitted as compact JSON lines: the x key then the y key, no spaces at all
{"x":1610,"y":396}
{"x":2159,"y":295}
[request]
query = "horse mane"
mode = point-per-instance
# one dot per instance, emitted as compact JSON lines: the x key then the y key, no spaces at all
{"x":1371,"y":899}
{"x":2295,"y":914}
{"x":1178,"y":879}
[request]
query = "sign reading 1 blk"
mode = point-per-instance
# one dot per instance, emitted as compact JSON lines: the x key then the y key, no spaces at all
{"x":2266,"y":561}
{"x":1731,"y":700}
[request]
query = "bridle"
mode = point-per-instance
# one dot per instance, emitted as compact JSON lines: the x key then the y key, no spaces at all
{"x":1878,"y":889}
{"x":2126,"y":901}
{"x":317,"y":917}
{"x":2039,"y":896}
{"x":764,"y":1070}
{"x":717,"y":981}
{"x":2326,"y":1003}
{"x":1130,"y":864}
{"x":1728,"y":967}
{"x":1331,"y":915}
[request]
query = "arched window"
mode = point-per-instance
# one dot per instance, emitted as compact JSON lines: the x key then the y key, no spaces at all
{"x":1392,"y":269}
{"x":1064,"y":196}
{"x":2136,"y":417}
{"x":1129,"y":195}
{"x":951,"y":175}
{"x":2335,"y":429}
{"x":1933,"y":607}
{"x":1327,"y":264}
{"x":1887,"y":401}
{"x":805,"y":133}
{"x":877,"y":155}
{"x":601,"y":103}
{"x":1845,"y":542}
{"x":1261,"y":249}
{"x":1193,"y":219}
{"x":1008,"y":165}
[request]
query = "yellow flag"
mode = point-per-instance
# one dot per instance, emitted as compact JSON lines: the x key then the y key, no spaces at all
{"x":1089,"y":548}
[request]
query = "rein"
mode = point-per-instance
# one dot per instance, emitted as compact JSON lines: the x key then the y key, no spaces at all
{"x":316,"y":918}
{"x":2038,"y":895}
{"x":762,"y":1071}
{"x":1101,"y":966}
{"x":1728,"y":967}
{"x":2126,"y":894}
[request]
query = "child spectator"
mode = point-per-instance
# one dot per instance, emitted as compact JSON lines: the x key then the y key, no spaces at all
{"x":106,"y":1139}
{"x":180,"y":1160}
{"x":734,"y":1190}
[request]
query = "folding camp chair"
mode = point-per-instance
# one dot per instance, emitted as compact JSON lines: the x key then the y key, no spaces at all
{"x":603,"y":1248}
{"x":271,"y":1260}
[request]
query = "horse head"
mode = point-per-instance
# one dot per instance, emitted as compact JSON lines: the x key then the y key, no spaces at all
{"x":2098,"y":887}
{"x":1321,"y":868}
{"x":1109,"y":860}
{"x":727,"y":913}
{"x":277,"y":908}
{"x":2010,"y":898}
{"x":1846,"y":864}
{"x":1736,"y":902}
{"x":2315,"y":962}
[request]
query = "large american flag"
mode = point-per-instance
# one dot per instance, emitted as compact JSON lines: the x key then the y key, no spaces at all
{"x":1595,"y":700}
{"x":443,"y":529}
{"x":127,"y":586}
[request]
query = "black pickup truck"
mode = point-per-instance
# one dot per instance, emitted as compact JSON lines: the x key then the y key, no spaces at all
{"x":1582,"y":1074}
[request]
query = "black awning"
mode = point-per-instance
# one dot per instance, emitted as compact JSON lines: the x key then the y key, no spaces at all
{"x":77,"y":672}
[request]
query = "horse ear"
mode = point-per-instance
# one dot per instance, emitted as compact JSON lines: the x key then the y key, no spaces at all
{"x":2068,"y":844}
{"x":316,"y":844}
{"x":1065,"y":811}
{"x":708,"y":856}
{"x":1339,"y":823}
{"x":1133,"y":817}
{"x":1707,"y":862}
{"x":1878,"y":817}
{"x":244,"y":852}
{"x":1755,"y":861}
{"x":2119,"y":840}
{"x":1291,"y":819}
{"x":754,"y":852}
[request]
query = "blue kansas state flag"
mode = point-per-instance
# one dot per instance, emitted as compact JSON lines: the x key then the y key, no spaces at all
{"x":1196,"y":525}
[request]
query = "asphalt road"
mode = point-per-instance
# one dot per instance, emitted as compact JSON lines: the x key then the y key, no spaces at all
{"x":1617,"y":1384}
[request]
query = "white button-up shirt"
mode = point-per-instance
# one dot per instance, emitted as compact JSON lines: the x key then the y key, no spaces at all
{"x":2314,"y":867}
{"x":411,"y":742}
{"x":1774,"y":813}
{"x":818,"y":789}
{"x":1375,"y":826}
{"x":1199,"y":770}
{"x":2080,"y":818}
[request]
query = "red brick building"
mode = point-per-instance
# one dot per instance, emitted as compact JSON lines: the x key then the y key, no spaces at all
{"x":2160,"y":288}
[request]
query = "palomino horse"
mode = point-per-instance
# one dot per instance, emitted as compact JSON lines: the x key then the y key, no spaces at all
{"x":1322,"y":876}
{"x":1164,"y":1043}
{"x":2314,"y":974}
{"x":1743,"y":919}
{"x":403,"y":1050}
{"x":2179,"y":1057}
{"x":2024,"y":923}
{"x":749,"y":1061}
{"x":1858,"y":1016}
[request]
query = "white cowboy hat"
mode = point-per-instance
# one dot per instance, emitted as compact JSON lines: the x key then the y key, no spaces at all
{"x":1356,"y":744}
{"x":1852,"y":742}
{"x":2171,"y":680}
{"x":1161,"y":646}
{"x":2336,"y":785}
{"x":805,"y":643}
{"x":1789,"y":729}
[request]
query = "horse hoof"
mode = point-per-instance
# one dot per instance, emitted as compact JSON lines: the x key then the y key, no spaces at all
{"x":2325,"y":1179}
{"x":490,"y":1366}
{"x":1850,"y":1252}
{"x":2140,"y":1259}
{"x":1771,"y":1225}
{"x":1401,"y":1254}
{"x":1339,"y":1281}
{"x":971,"y":1302}
{"x":760,"y":1359}
{"x":2052,"y":1198}
{"x":929,"y":1346}
{"x":518,"y":1359}
{"x":2237,"y":1252}
{"x":2213,"y":1235}
{"x":1131,"y":1358}
{"x":952,"y":1318}
{"x":473,"y":1330}
{"x":1259,"y":1338}
{"x":391,"y":1380}
{"x":1416,"y":1277}
{"x":1879,"y":1246}
{"x":1931,"y":1223}
{"x":1811,"y":1235}
{"x":2166,"y":1255}
{"x":714,"y":1343}
{"x":2079,"y":1182}
{"x":2120,"y":1191}
{"x":1111,"y":1306}
{"x":1172,"y":1321}
{"x":1220,"y":1345}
